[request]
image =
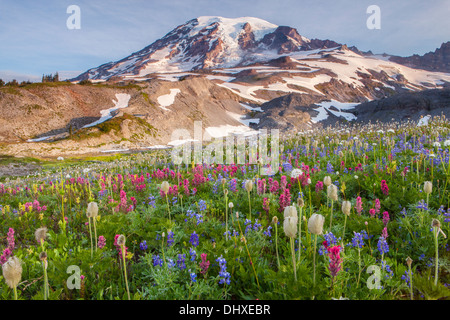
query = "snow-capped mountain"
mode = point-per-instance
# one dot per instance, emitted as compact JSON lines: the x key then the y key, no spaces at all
{"x":236,"y":76}
{"x":210,"y":42}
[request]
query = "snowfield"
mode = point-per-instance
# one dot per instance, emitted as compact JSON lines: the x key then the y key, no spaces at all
{"x":106,"y":114}
{"x":168,"y":99}
{"x":325,"y":108}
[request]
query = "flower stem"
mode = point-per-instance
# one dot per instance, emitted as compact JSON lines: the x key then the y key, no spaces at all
{"x":436,"y":234}
{"x":125,"y":271}
{"x":343,"y":233}
{"x":90,"y":233}
{"x":410,"y":283}
{"x":300,"y":235}
{"x":46,"y":292}
{"x":293,"y":257}
{"x":314,"y":259}
{"x":168,"y":207}
{"x":359,"y":267}
{"x":249,"y":205}
{"x":95,"y":233}
{"x":276,"y":244}
{"x":331,"y":215}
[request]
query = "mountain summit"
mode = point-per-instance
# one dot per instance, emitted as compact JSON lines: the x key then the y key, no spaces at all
{"x":210,"y":42}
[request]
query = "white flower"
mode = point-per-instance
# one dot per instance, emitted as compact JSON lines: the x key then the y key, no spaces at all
{"x":290,"y":226}
{"x":165,"y":186}
{"x":332,"y":192}
{"x":428,"y":187}
{"x":346,"y":207}
{"x":356,"y":177}
{"x":12,"y":271}
{"x":249,"y":185}
{"x":446,"y":143}
{"x":60,"y":159}
{"x":290,"y":211}
{"x":290,"y":221}
{"x":327,"y":181}
{"x":315,"y":224}
{"x":436,"y":144}
{"x":92,"y":210}
{"x":296,"y":173}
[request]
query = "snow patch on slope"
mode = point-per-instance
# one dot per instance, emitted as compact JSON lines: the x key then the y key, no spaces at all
{"x":324,"y":108}
{"x":106,"y":114}
{"x":168,"y":99}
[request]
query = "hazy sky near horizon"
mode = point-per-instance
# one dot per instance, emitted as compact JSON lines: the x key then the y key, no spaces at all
{"x":34,"y":38}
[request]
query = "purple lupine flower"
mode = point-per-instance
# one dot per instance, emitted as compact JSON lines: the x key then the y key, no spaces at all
{"x":224,"y":275}
{"x":157,"y":261}
{"x":194,"y":239}
{"x":143,"y":245}
{"x":357,"y":241}
{"x":181,"y":261}
{"x":193,"y":276}
{"x":170,"y":238}
{"x":193,"y":254}
{"x":383,"y":246}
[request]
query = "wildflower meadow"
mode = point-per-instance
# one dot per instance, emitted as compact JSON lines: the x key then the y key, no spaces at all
{"x":358,"y":213}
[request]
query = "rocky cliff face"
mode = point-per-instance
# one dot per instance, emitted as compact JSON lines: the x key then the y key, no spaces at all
{"x":438,"y":61}
{"x":405,"y":106}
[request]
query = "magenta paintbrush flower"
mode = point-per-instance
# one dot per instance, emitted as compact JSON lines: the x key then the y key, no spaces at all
{"x":335,"y":260}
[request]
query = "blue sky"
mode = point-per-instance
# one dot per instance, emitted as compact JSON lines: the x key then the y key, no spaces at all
{"x":34,"y":38}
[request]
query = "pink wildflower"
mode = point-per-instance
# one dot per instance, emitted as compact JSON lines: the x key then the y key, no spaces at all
{"x":204,"y":265}
{"x":358,"y":206}
{"x":335,"y":260}
{"x":101,"y":242}
{"x":385,"y":218}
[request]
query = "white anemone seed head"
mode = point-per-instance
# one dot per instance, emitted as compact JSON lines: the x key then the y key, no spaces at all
{"x":121,"y":240}
{"x":332,"y":192}
{"x":290,"y":211}
{"x":346,"y":207}
{"x":290,"y":226}
{"x":12,"y":271}
{"x":428,"y":187}
{"x":249,"y":185}
{"x":92,"y":210}
{"x":165,"y":186}
{"x":40,"y":234}
{"x":315,"y":224}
